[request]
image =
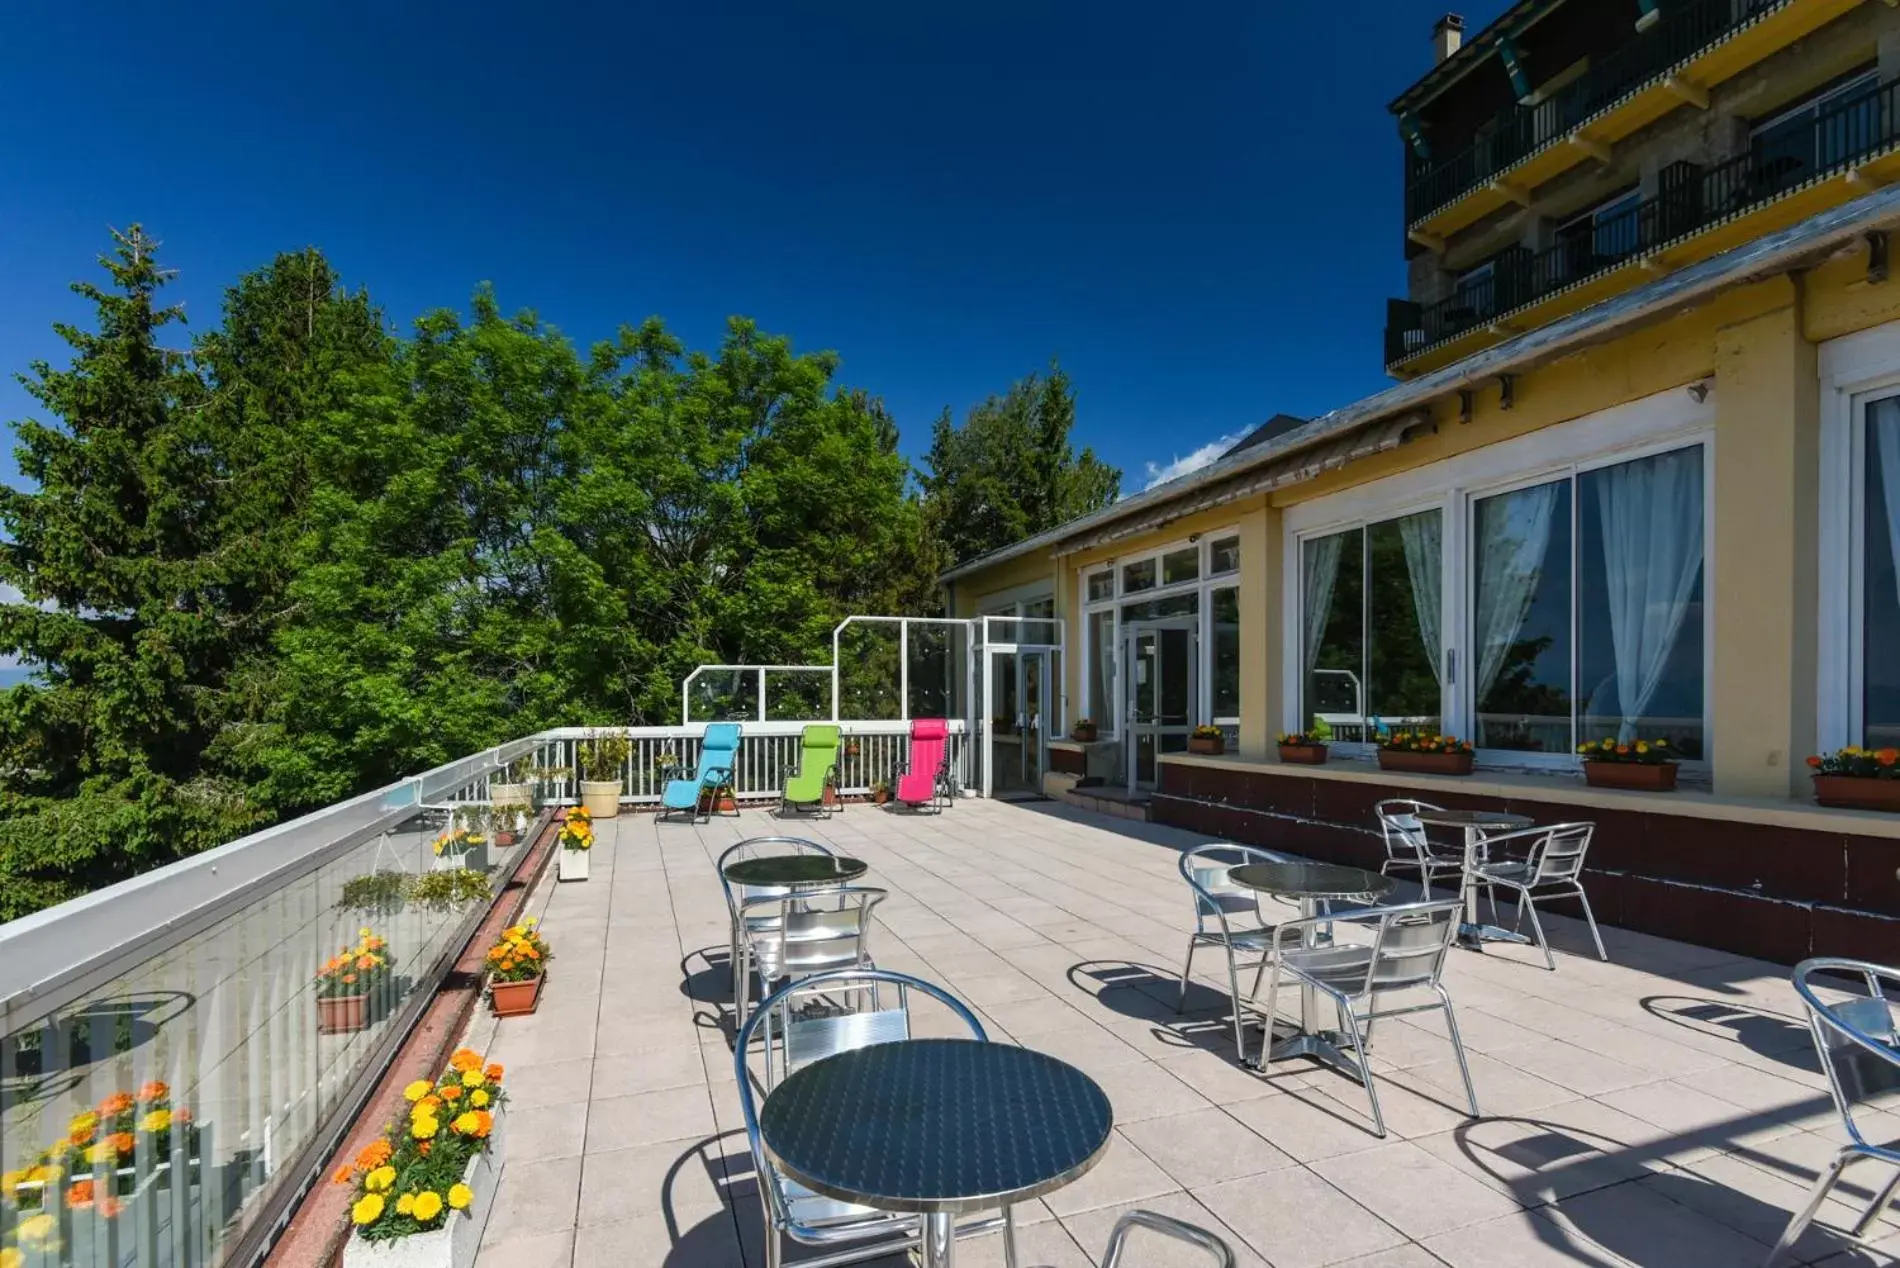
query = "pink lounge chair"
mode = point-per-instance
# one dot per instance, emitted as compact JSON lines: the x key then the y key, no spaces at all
{"x":925,"y":779}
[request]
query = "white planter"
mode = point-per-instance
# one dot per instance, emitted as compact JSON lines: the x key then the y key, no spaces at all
{"x":520,"y":796}
{"x":455,"y":1243}
{"x":600,"y":797}
{"x":575,"y":864}
{"x":475,"y":859}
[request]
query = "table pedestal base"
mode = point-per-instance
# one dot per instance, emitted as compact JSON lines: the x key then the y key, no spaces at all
{"x":940,"y":1240}
{"x":1329,"y":1047}
{"x":1472,"y":937}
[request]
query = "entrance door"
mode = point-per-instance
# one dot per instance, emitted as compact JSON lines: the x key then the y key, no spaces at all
{"x":1163,"y":661}
{"x":1016,"y":721}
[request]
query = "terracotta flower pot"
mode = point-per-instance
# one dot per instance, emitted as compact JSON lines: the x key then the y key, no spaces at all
{"x":1213,"y":746}
{"x":1084,"y":735}
{"x":880,"y":797}
{"x":1640,"y":777}
{"x":1394,"y":759}
{"x":1855,"y":792}
{"x":342,"y":1014}
{"x":517,"y":999}
{"x":1304,"y":754}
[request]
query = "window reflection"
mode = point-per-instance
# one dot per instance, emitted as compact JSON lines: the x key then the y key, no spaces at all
{"x":1520,"y":636}
{"x":1880,"y":579}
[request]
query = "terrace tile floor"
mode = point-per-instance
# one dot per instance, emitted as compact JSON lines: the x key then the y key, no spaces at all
{"x":1663,"y":1109}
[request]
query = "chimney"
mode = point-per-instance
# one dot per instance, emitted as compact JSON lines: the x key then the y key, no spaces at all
{"x":1448,"y":35}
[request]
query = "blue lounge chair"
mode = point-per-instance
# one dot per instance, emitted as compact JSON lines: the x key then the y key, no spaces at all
{"x":699,"y":793}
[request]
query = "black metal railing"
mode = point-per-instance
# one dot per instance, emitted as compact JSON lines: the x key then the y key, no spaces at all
{"x":1688,"y":199}
{"x":1518,"y":131}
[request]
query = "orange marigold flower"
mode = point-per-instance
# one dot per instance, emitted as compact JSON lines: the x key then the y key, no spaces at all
{"x":1814,"y":762}
{"x":464,"y":1059}
{"x":493,"y":1073}
{"x":121,"y":1143}
{"x":343,"y":1174}
{"x":154,"y":1091}
{"x":118,"y":1103}
{"x":80,"y":1194}
{"x":110,"y":1207}
{"x":451,"y":1093}
{"x":374,"y":1154}
{"x":1887,"y":756}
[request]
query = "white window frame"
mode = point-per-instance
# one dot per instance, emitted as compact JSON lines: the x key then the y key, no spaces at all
{"x":1660,"y":423}
{"x":1204,"y":584}
{"x":1855,"y":370}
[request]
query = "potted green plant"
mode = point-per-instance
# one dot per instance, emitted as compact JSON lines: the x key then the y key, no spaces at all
{"x":379,"y":893}
{"x":1084,"y":731}
{"x":1302,"y":749}
{"x":603,"y":762}
{"x":464,"y":842}
{"x":511,"y":795}
{"x":1209,"y":741}
{"x":450,"y":890}
{"x":1424,"y":753}
{"x":1639,"y":765}
{"x":347,"y":981}
{"x":880,"y":791}
{"x":1856,"y":778}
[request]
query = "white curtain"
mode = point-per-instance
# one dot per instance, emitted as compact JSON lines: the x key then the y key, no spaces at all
{"x":1651,"y":515}
{"x":1423,"y":536}
{"x":1320,"y":558}
{"x":1883,"y":438}
{"x":1513,"y":534}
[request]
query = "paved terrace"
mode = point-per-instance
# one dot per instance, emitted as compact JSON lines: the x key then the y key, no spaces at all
{"x":1662,"y":1109}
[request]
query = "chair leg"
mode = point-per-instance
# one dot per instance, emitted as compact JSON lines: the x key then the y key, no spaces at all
{"x":1271,"y":1011}
{"x":1875,"y":1207}
{"x":1591,"y":919}
{"x":1180,"y":1003}
{"x":1458,"y":1048}
{"x":1799,"y":1224}
{"x":1365,"y":1064}
{"x":1537,"y":927}
{"x":1233,"y":994}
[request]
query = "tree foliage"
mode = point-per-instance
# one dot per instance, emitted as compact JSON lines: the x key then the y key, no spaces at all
{"x":303,"y":555}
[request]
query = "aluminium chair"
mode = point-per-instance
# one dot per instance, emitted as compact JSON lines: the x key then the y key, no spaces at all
{"x":925,"y":780}
{"x":1859,"y":1049}
{"x":813,"y":783}
{"x":1408,"y":949}
{"x":810,"y":931}
{"x":1407,"y":846}
{"x":698,"y":794}
{"x":745,"y":928}
{"x":1552,"y":868}
{"x":794,"y":1039}
{"x":1229,"y":916}
{"x":1166,"y":1226}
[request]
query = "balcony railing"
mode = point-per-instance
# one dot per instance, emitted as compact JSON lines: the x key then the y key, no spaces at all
{"x":169,"y":1079}
{"x":1520,"y":131}
{"x":1690,"y":199}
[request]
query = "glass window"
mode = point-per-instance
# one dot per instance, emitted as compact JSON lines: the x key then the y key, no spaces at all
{"x":1100,"y":705}
{"x":1181,"y":565}
{"x":1520,"y":632}
{"x":1880,"y":579}
{"x":1226,"y":697}
{"x":1404,"y":648}
{"x":1224,"y":556}
{"x":1155,"y":609}
{"x":1332,"y":612}
{"x":1139,"y":576}
{"x":1101,"y":585}
{"x":1639,"y":601}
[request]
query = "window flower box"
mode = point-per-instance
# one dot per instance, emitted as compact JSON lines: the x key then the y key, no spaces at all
{"x":1302,"y":749}
{"x":455,"y":1243}
{"x":1634,"y":776}
{"x":343,"y":1014}
{"x":1858,"y":779}
{"x":1420,"y":753}
{"x":517,"y":965}
{"x":1208,"y":741}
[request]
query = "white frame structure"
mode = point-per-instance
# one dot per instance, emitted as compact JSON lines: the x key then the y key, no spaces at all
{"x":1660,"y":423}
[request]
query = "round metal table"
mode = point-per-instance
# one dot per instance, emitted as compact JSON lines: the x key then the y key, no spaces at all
{"x":1472,"y":933}
{"x":939,"y":1127}
{"x":792,"y":871}
{"x":1310,"y":884}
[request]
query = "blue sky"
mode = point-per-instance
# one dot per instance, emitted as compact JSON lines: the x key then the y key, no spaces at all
{"x":1195,"y":208}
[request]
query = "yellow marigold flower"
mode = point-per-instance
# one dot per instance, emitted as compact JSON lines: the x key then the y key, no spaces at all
{"x":380,"y":1180}
{"x":423,"y":1128}
{"x":467,"y":1124}
{"x":363,"y":932}
{"x":460,"y":1195}
{"x":11,"y":1258}
{"x":406,"y":1204}
{"x":417,"y":1090}
{"x":471,"y":1078}
{"x":368,"y":1208}
{"x":478,"y":1098}
{"x":156,"y":1121}
{"x":39,"y":1231}
{"x":11,"y":1180}
{"x":428,"y":1206}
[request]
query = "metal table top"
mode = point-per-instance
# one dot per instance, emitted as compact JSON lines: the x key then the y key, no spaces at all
{"x":795,"y":869}
{"x":1472,"y":819}
{"x":1312,"y":880}
{"x":936,"y":1125}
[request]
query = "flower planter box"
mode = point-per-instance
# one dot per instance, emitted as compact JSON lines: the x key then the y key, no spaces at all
{"x":601,"y":797}
{"x":720,"y":805}
{"x":1855,"y":792}
{"x":1304,"y":754}
{"x":1637,"y":776}
{"x":455,"y":1243}
{"x":1084,"y":735}
{"x":574,"y":864}
{"x":517,"y":999}
{"x":1207,"y":747}
{"x":342,"y":1014}
{"x":1393,"y":759}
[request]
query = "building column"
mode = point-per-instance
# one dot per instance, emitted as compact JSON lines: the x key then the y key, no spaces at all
{"x":1762,"y":557}
{"x":1261,"y":592}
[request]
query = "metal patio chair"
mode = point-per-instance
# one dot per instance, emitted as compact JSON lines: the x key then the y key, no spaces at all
{"x":1408,"y":848}
{"x":811,"y":931}
{"x":1167,"y":1226}
{"x":1228,"y":916}
{"x":1407,"y":952}
{"x":1551,"y":868}
{"x":739,"y":944}
{"x":1860,"y":1050}
{"x":798,"y":1038}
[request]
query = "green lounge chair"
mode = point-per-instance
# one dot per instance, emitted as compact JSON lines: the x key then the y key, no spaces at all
{"x":816,"y":772}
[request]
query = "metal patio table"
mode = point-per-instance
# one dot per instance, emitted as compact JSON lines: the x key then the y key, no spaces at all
{"x":1474,"y":933}
{"x":1310,"y":884}
{"x":936,"y":1127}
{"x":795,"y":871}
